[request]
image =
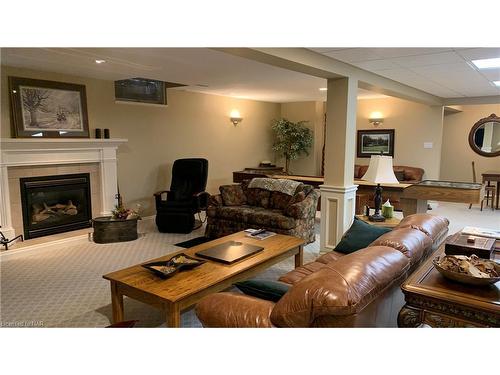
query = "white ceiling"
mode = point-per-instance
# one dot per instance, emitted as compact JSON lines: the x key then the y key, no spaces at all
{"x":217,"y":72}
{"x":444,"y":72}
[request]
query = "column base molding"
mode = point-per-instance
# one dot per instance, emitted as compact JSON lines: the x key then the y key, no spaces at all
{"x":337,"y":213}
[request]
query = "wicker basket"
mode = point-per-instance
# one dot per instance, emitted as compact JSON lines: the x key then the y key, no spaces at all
{"x":107,"y":230}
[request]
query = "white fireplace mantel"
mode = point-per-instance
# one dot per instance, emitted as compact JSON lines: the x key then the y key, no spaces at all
{"x":16,"y":152}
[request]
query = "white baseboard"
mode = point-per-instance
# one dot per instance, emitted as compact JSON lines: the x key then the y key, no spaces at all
{"x":7,"y":254}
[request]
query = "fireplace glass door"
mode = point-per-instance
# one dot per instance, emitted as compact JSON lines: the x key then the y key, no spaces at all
{"x":55,"y":204}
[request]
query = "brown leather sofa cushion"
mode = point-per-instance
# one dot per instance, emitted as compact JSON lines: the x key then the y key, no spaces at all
{"x":234,"y":310}
{"x":411,"y":173}
{"x":356,"y":171}
{"x":411,"y":242}
{"x":299,"y":273}
{"x":330,"y":257}
{"x":362,"y":170}
{"x":342,"y":287}
{"x":400,"y":175}
{"x":431,"y":225}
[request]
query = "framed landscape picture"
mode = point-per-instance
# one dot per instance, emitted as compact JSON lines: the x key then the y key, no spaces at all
{"x":48,"y":108}
{"x":374,"y":142}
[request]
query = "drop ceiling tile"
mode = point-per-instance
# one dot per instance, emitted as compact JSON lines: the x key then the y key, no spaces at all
{"x":387,"y":53}
{"x":430,"y":59}
{"x":445,"y":72}
{"x":479,"y":53}
{"x":437,"y":89}
{"x":354,"y":55}
{"x":402,"y":75}
{"x":491,"y":74}
{"x":484,"y":91}
{"x":376,"y":65}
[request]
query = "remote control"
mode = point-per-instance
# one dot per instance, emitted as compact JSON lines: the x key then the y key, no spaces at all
{"x":259,"y":231}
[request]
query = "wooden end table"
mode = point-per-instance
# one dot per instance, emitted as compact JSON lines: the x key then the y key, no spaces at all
{"x":435,"y":301}
{"x":388,"y":223}
{"x":186,"y":288}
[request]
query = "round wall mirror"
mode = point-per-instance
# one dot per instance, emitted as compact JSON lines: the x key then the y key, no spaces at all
{"x":484,"y":137}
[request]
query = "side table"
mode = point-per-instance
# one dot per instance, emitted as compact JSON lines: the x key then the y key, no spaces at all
{"x":388,"y":223}
{"x":436,"y":301}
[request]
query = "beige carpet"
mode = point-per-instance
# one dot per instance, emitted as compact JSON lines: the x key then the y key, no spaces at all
{"x":63,"y":286}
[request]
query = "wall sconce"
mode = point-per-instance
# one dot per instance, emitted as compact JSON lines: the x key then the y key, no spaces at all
{"x":235,"y":117}
{"x":376,"y":118}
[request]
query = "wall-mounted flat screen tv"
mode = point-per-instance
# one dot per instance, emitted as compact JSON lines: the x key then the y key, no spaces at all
{"x":141,"y":90}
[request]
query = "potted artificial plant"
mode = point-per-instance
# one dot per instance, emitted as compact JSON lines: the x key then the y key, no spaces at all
{"x":292,"y":139}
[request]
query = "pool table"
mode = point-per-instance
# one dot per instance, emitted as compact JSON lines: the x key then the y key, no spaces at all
{"x":414,"y":198}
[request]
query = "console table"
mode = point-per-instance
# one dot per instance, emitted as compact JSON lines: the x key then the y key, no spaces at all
{"x":249,"y":173}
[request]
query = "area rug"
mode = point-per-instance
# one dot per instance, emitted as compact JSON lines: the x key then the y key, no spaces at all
{"x":193,"y":242}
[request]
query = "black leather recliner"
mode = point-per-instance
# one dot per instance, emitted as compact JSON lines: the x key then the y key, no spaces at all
{"x":175,"y":208}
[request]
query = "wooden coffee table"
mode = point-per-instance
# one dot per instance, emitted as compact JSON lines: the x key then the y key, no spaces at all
{"x":435,"y":301}
{"x":186,"y":288}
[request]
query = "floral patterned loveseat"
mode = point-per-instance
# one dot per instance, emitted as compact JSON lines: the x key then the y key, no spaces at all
{"x":279,"y":205}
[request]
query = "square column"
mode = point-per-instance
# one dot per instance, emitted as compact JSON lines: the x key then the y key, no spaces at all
{"x":338,"y":193}
{"x":5,"y":215}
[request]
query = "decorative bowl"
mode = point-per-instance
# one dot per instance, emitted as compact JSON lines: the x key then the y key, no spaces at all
{"x":465,"y":278}
{"x":168,"y":268}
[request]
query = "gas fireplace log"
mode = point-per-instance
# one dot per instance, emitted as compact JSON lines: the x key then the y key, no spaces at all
{"x":41,"y":214}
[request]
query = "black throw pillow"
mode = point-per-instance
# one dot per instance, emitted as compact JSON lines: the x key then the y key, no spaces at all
{"x":264,"y":289}
{"x":359,"y":236}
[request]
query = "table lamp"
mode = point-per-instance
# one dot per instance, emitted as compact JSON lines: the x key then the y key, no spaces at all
{"x":379,"y":172}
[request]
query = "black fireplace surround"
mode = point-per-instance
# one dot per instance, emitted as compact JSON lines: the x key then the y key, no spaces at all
{"x":55,"y":204}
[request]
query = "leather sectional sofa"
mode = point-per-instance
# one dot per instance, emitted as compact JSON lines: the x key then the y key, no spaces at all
{"x":361,"y":289}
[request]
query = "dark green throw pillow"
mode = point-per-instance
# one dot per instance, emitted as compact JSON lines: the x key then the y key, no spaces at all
{"x":264,"y":289}
{"x":359,"y":236}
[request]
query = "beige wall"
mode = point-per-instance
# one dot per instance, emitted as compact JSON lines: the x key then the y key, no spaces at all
{"x":414,"y":124}
{"x":313,"y":112}
{"x":457,"y":155}
{"x":192,"y":125}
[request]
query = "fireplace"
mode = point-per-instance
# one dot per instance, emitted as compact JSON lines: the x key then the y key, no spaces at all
{"x":55,"y":204}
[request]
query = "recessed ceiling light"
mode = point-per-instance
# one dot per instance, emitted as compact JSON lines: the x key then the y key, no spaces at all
{"x":487,"y":63}
{"x":100,"y":61}
{"x":323,"y":89}
{"x":496,"y":83}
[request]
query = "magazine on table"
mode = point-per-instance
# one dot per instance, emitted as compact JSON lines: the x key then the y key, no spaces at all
{"x":482,"y":232}
{"x":260,"y":234}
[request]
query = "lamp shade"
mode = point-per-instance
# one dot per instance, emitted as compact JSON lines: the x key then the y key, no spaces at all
{"x":380,"y":170}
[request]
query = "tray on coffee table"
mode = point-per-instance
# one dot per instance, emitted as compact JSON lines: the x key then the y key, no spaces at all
{"x":168,"y":268}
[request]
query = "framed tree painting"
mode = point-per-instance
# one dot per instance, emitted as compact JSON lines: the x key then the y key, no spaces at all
{"x":47,"y":108}
{"x":375,"y":142}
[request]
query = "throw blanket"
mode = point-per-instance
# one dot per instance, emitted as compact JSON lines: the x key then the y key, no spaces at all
{"x":275,"y":184}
